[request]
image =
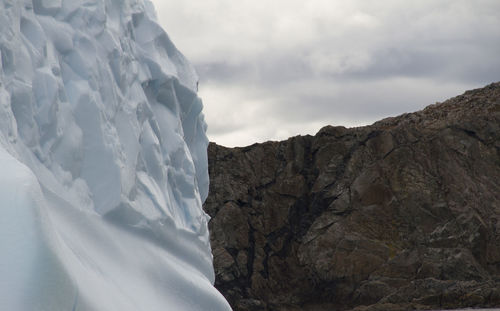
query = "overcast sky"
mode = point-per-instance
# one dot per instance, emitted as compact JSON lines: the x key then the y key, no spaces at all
{"x":278,"y":68}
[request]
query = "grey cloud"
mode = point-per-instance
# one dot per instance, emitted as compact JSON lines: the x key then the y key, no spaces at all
{"x":265,"y":71}
{"x":396,"y":57}
{"x":353,"y":102}
{"x":453,"y":63}
{"x":220,"y":127}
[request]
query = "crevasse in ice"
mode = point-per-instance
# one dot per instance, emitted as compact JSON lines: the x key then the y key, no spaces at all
{"x":103,"y":165}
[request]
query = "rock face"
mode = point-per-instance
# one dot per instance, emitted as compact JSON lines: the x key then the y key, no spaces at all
{"x":402,"y":214}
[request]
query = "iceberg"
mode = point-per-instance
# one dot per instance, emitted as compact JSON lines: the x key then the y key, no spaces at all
{"x":103,"y":163}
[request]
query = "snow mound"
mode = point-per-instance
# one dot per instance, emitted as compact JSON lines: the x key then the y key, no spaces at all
{"x":104,"y":165}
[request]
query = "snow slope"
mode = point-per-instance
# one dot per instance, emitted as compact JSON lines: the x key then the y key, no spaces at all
{"x":103,"y":165}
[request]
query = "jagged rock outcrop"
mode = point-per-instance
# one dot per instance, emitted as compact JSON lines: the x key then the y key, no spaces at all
{"x":402,"y":214}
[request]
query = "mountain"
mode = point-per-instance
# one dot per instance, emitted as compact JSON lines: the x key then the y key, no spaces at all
{"x":403,"y":214}
{"x":103,"y":162}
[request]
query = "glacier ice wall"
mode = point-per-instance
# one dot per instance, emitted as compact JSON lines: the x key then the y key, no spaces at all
{"x":103,"y":165}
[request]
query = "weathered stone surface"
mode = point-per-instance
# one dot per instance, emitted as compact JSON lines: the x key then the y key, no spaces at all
{"x":400,"y":215}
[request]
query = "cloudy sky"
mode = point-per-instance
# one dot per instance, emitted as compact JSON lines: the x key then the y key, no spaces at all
{"x":277,"y":68}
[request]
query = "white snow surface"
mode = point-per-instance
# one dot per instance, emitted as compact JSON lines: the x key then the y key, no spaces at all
{"x":103,"y":164}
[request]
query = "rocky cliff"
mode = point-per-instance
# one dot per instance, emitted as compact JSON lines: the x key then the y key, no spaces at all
{"x":402,"y":214}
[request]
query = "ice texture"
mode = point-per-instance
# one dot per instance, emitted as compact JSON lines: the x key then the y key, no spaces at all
{"x":103,"y":164}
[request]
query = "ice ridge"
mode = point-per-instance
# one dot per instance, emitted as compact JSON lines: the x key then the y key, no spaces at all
{"x":103,"y":162}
